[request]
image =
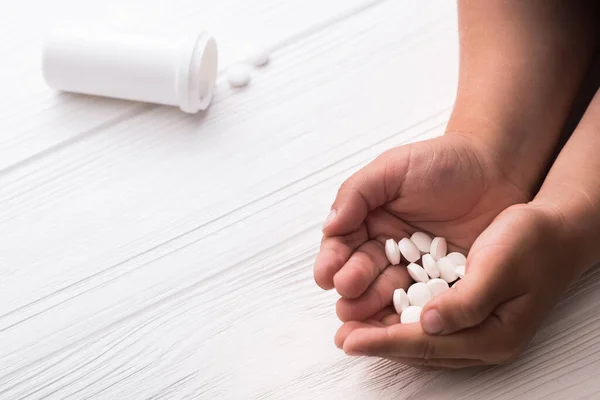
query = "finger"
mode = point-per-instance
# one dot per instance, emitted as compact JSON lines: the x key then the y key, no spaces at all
{"x":409,"y":340}
{"x":465,"y":305}
{"x":437,"y":364}
{"x":367,"y":189}
{"x":347,"y":328}
{"x":383,"y":313}
{"x":376,"y":323}
{"x":384,"y":225}
{"x":361,"y":269}
{"x":469,"y":303}
{"x":385,"y":317}
{"x":391,"y":319}
{"x":376,"y":297}
{"x":334,"y":253}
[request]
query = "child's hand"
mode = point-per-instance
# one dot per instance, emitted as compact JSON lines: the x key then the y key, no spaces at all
{"x":511,"y":114}
{"x":446,"y":186}
{"x":517,"y":271}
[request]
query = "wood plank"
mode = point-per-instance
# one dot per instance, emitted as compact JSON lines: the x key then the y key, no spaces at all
{"x":149,"y":254}
{"x":158,"y":238}
{"x":35,"y":120}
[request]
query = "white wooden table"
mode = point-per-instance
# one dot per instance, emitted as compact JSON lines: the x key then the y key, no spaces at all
{"x":150,"y":254}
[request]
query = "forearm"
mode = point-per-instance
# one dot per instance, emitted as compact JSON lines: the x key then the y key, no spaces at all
{"x":572,"y":191}
{"x":521,"y":65}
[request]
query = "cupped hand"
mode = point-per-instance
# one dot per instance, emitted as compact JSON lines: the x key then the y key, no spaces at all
{"x":447,"y":186}
{"x":517,"y":271}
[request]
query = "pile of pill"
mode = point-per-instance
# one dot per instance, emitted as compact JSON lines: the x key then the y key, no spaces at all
{"x":240,"y":74}
{"x":432,"y":277}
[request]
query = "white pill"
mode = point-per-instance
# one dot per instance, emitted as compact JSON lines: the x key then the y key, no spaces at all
{"x":392,"y":251}
{"x":460,"y":271}
{"x":437,"y":286}
{"x":418,"y":294}
{"x":411,"y":315}
{"x":447,"y":272}
{"x":409,"y":250}
{"x":400,"y":300}
{"x":422,"y":241}
{"x":457,"y":258}
{"x":430,"y":266}
{"x":417,"y":272}
{"x":257,"y":56}
{"x":238,"y":75}
{"x":438,"y":248}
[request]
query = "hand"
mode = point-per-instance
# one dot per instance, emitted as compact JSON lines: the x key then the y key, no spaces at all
{"x":448,"y":186}
{"x":517,"y":271}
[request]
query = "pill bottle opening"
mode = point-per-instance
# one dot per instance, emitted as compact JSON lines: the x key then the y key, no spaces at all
{"x":197,"y":73}
{"x":208,"y":70}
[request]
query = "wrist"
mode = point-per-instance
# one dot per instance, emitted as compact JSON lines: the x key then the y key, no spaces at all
{"x":514,"y":114}
{"x":574,"y":220}
{"x":510,"y":146}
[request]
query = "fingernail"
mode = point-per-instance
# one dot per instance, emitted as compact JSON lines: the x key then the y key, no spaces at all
{"x":329,"y":218}
{"x":432,"y":322}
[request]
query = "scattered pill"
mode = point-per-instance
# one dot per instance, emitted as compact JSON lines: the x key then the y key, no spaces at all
{"x":409,"y":250}
{"x":430,"y":266}
{"x":457,"y":258}
{"x":438,"y":248}
{"x":437,"y":286}
{"x":447,"y":268}
{"x":460,"y":271}
{"x":422,"y":241}
{"x":400,"y":300}
{"x":257,"y":56}
{"x":392,"y":251}
{"x":238,"y":75}
{"x":417,"y":272}
{"x":411,"y":315}
{"x":418,"y":294}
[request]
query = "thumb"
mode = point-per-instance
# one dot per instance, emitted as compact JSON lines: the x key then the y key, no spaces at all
{"x":367,"y":189}
{"x":468,"y":303}
{"x":495,"y":274}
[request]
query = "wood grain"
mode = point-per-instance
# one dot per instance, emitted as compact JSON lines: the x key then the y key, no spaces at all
{"x":148,"y":254}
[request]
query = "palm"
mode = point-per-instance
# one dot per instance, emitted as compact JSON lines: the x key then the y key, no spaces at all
{"x":487,"y":318}
{"x":521,"y":243}
{"x":442,"y":186}
{"x":450,"y":191}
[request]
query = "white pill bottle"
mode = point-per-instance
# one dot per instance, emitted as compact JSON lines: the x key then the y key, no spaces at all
{"x":102,"y":62}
